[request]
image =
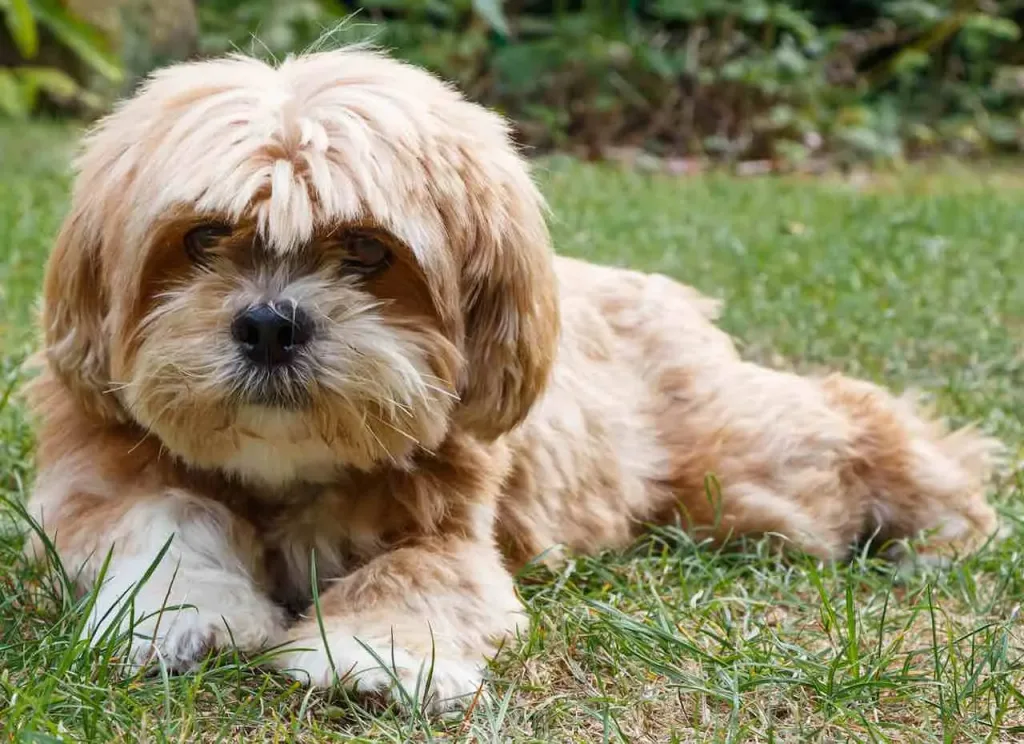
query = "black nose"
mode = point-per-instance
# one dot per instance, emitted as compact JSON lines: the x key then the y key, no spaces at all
{"x":270,"y":335}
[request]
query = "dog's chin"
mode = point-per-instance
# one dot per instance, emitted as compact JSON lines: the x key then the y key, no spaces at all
{"x":280,"y":389}
{"x":275,"y":443}
{"x":273,"y":433}
{"x":272,"y":442}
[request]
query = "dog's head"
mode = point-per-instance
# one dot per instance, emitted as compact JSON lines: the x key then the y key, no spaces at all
{"x":278,"y":271}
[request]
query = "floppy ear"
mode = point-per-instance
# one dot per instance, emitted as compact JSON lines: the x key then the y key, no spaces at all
{"x":510,"y":301}
{"x":75,"y":307}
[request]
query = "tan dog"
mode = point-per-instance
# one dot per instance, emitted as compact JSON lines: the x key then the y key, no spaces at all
{"x":312,"y":310}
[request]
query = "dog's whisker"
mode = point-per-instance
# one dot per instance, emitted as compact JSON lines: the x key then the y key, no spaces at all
{"x":396,"y":429}
{"x":116,"y":387}
{"x":365,"y":427}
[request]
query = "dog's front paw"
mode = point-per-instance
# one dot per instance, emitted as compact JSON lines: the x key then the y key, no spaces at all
{"x":429,"y":681}
{"x":178,"y":629}
{"x":179,"y":641}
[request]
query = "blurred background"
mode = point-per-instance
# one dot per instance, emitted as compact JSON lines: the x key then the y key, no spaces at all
{"x":669,"y":84}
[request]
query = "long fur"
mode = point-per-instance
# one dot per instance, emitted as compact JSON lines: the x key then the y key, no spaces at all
{"x":476,"y":405}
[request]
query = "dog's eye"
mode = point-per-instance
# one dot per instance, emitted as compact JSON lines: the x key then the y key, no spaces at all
{"x":201,"y":239}
{"x":366,"y":255}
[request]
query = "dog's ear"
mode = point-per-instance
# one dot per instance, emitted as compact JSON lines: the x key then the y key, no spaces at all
{"x":510,"y":300}
{"x":75,"y":307}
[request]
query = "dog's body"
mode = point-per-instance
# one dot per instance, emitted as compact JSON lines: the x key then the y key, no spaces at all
{"x":652,"y":417}
{"x":459,"y":402}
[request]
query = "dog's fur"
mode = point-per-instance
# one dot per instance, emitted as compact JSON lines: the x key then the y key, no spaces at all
{"x":472,"y":407}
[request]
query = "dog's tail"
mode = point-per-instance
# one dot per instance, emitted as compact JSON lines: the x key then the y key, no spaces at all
{"x":924,"y":480}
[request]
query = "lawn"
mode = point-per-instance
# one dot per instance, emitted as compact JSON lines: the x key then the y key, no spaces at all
{"x":913,"y":280}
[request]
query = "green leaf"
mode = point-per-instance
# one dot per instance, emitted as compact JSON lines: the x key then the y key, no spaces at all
{"x":999,"y":28}
{"x":50,"y":80}
{"x":794,"y":21}
{"x":522,"y":67}
{"x":910,"y":61}
{"x":678,"y":10}
{"x":22,"y":26}
{"x":920,"y":13}
{"x":86,"y":42}
{"x":12,"y":97}
{"x":490,"y":11}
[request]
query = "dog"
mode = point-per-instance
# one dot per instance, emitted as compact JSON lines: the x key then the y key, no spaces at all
{"x":315,"y":381}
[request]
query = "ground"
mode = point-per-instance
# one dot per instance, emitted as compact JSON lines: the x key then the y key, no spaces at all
{"x":912,"y":280}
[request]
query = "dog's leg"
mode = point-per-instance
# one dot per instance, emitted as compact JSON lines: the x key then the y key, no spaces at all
{"x":415,"y":624}
{"x":201,"y":595}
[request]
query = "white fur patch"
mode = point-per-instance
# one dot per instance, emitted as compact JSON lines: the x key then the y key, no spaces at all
{"x":199,"y":597}
{"x":434,"y":683}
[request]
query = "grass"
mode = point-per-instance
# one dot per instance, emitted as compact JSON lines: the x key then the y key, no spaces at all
{"x":912,"y":279}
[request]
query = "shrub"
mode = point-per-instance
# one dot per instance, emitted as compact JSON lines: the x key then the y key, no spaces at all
{"x":787,"y":80}
{"x":29,"y":69}
{"x":723,"y":78}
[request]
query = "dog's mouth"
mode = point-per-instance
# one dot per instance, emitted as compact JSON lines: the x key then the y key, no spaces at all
{"x":283,"y":387}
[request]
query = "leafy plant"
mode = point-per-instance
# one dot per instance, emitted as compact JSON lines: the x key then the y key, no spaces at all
{"x":733,"y":79}
{"x":785,"y":80}
{"x":22,"y":85}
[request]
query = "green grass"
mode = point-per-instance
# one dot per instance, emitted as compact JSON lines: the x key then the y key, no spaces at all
{"x":914,"y":279}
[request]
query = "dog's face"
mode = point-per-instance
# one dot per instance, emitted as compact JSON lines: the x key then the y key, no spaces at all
{"x":283,"y":271}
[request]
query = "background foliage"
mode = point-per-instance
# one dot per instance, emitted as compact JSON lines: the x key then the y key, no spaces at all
{"x":30,"y":70}
{"x":735,"y":79}
{"x":731,"y":79}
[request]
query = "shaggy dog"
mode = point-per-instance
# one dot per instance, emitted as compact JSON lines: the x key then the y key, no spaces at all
{"x":307,"y":316}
